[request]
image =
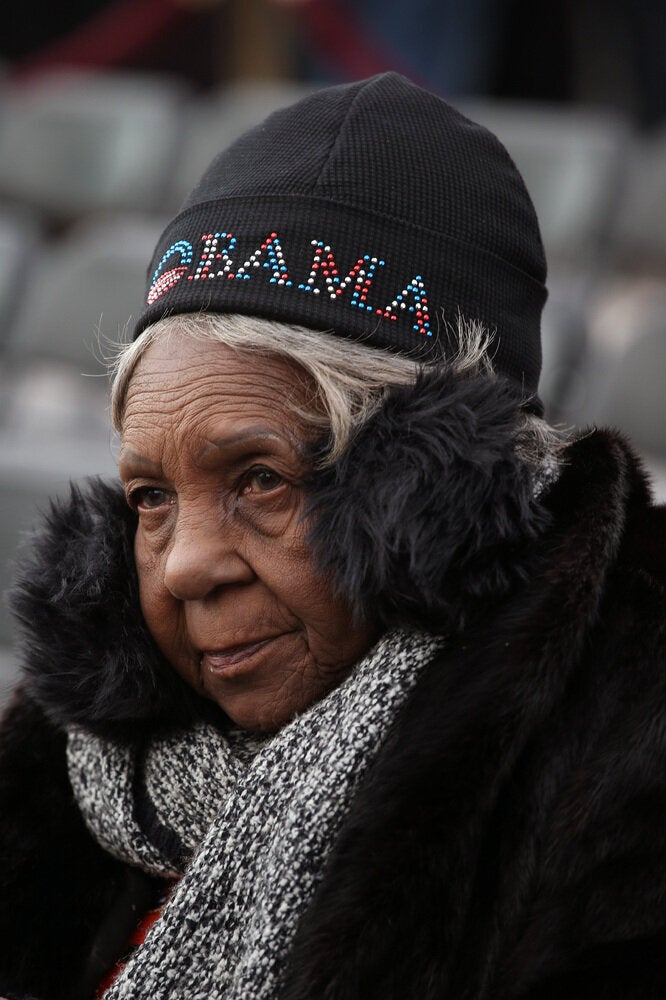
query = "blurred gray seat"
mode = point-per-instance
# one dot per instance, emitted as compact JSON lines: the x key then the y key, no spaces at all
{"x":574,"y":162}
{"x":54,"y":423}
{"x":20,"y":234}
{"x":564,"y":341}
{"x":626,"y":373}
{"x":627,"y":365}
{"x":35,"y":466}
{"x":85,"y":286}
{"x":73,"y":143}
{"x":625,"y":376}
{"x":640,"y":231}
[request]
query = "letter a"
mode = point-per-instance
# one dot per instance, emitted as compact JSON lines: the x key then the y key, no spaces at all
{"x":418,"y":309}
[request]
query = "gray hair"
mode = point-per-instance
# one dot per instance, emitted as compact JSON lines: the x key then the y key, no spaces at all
{"x":348,"y":380}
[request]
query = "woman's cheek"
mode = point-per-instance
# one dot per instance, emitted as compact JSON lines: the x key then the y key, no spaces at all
{"x":146,"y":556}
{"x":273,"y":515}
{"x":162,"y":612}
{"x":149,"y":561}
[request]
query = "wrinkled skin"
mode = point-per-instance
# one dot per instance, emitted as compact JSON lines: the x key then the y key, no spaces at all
{"x":212,"y":460}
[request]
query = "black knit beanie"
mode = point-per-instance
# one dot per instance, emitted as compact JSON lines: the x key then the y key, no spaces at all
{"x":371,"y":209}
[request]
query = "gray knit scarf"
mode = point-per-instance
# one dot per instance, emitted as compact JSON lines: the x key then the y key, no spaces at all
{"x":258,"y":817}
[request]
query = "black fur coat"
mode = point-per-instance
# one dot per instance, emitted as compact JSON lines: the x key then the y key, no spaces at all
{"x":510,"y":840}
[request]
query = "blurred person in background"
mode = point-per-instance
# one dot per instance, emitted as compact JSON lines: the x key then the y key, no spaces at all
{"x":353,"y":685}
{"x":596,"y":51}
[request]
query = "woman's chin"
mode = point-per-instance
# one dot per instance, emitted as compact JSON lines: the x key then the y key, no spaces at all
{"x":257,"y":717}
{"x":263,"y":685}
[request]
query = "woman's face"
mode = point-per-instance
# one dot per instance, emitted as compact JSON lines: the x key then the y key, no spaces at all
{"x":212,"y":461}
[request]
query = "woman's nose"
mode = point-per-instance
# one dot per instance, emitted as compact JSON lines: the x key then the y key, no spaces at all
{"x":202,"y":558}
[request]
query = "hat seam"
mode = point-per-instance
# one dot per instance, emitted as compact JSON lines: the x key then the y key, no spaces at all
{"x":338,"y":137}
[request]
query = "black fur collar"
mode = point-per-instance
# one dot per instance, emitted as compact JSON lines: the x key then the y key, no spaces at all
{"x":429,"y":514}
{"x":427,"y":519}
{"x":85,"y":649}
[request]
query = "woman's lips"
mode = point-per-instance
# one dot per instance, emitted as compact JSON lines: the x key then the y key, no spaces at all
{"x":234,"y":660}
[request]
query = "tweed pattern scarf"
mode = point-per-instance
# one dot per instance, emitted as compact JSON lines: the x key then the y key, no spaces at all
{"x":257,"y":818}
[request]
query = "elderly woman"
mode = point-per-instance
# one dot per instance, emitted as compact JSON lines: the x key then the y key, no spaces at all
{"x":353,"y":687}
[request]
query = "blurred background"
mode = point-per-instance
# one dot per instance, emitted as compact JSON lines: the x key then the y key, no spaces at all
{"x":110,"y":111}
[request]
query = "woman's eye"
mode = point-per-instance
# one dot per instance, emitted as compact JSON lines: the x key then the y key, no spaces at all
{"x":148,"y":498}
{"x":262,"y":480}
